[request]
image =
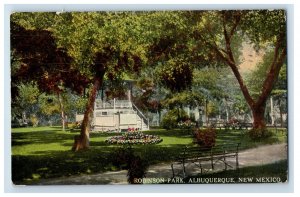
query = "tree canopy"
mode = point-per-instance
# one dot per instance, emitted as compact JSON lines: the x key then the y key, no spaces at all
{"x":80,"y":50}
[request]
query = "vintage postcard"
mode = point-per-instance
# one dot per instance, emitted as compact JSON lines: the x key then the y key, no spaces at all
{"x":149,"y":97}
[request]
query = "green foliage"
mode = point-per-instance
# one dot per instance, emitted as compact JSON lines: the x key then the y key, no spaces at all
{"x":239,"y":106}
{"x":26,"y":99}
{"x":171,"y":118}
{"x":188,"y":124}
{"x":145,"y":92}
{"x":185,"y":98}
{"x":212,"y":109}
{"x":173,"y":43}
{"x":34,"y":20}
{"x":34,"y":120}
{"x":256,"y":78}
{"x":212,"y":83}
{"x":80,"y":104}
{"x":281,"y":83}
{"x":176,"y":75}
{"x":49,"y":104}
{"x":258,"y":134}
{"x":118,"y":35}
{"x":263,"y":26}
{"x":28,"y":94}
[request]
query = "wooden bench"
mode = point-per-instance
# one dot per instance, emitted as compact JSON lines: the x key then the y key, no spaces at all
{"x":244,"y":125}
{"x":197,"y":155}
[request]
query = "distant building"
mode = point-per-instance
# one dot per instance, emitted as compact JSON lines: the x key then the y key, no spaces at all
{"x":117,"y":115}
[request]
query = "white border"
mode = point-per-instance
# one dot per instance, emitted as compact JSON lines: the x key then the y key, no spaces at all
{"x":4,"y":88}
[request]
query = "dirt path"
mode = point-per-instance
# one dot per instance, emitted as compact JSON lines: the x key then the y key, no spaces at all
{"x":257,"y":156}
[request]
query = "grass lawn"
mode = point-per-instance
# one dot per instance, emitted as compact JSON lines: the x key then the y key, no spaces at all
{"x":45,"y":152}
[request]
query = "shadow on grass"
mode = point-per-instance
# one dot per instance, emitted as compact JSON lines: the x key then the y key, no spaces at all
{"x":39,"y":137}
{"x":61,"y":163}
{"x":185,"y":133}
{"x":99,"y":158}
{"x":242,"y":136}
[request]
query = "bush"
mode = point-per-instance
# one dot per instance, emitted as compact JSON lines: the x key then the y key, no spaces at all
{"x":34,"y":120}
{"x":257,"y":134}
{"x":205,"y":137}
{"x":137,"y":167}
{"x":188,"y":124}
{"x":172,"y":117}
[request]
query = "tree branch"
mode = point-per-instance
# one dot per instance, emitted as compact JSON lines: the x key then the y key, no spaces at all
{"x":233,"y":29}
{"x":279,"y":58}
{"x":231,"y":62}
{"x":227,"y":41}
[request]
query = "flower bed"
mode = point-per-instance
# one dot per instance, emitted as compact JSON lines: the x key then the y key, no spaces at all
{"x":134,"y":138}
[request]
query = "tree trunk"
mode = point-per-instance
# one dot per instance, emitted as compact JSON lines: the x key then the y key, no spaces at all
{"x":281,"y":113}
{"x":206,"y":113}
{"x":258,"y":117}
{"x":82,"y":141}
{"x":258,"y":106}
{"x":281,"y":119}
{"x":159,"y":117}
{"x":62,"y":110}
{"x":272,"y":113}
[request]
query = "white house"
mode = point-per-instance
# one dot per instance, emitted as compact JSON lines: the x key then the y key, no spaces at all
{"x":117,"y":115}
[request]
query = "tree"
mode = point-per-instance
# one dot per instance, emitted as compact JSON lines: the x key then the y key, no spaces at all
{"x":109,"y":45}
{"x":112,"y":43}
{"x":23,"y":104}
{"x":278,"y":95}
{"x":36,"y":57}
{"x":219,"y":31}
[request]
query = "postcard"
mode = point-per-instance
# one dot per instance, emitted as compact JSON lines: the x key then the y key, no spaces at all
{"x":149,"y":97}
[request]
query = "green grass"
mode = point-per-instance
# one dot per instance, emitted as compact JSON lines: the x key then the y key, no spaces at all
{"x":45,"y":152}
{"x":235,"y":136}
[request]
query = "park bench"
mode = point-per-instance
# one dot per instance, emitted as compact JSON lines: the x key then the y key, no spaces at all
{"x":197,"y":155}
{"x":238,"y":125}
{"x":244,"y":125}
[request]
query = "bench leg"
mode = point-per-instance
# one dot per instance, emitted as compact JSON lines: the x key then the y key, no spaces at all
{"x":183,"y":169}
{"x":172,"y":171}
{"x":237,"y":161}
{"x":201,"y":170}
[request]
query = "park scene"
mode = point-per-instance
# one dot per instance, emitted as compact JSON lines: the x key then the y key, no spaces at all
{"x":149,"y":97}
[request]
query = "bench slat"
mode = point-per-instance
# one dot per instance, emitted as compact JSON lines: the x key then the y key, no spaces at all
{"x":198,"y":154}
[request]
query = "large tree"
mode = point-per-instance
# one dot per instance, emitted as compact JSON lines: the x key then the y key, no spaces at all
{"x":220,"y":30}
{"x":37,"y":58}
{"x":278,"y":95}
{"x":106,"y":47}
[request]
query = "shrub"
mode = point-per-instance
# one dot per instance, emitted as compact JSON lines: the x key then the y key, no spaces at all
{"x":257,"y":134}
{"x":34,"y":120}
{"x":205,"y":137}
{"x":172,"y":117}
{"x":137,"y":168}
{"x":188,"y":124}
